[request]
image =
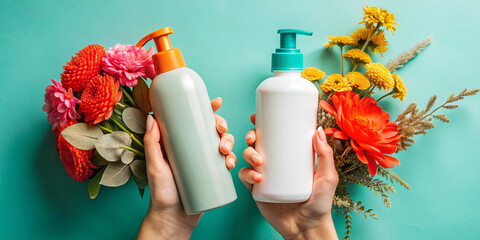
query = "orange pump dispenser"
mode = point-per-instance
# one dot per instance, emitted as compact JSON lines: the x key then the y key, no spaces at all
{"x":167,"y":58}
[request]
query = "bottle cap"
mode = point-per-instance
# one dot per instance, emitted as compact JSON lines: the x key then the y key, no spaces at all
{"x":288,"y":57}
{"x":167,"y":58}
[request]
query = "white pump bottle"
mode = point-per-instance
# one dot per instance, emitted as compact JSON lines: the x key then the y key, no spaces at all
{"x":286,"y":114}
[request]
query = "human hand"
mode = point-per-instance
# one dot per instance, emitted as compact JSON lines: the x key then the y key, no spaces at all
{"x":166,"y":218}
{"x":307,"y":220}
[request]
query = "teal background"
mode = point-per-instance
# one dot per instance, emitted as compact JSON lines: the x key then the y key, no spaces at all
{"x":229,"y":43}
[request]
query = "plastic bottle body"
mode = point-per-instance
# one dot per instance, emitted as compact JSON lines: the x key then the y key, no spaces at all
{"x":286,"y":114}
{"x":183,"y":111}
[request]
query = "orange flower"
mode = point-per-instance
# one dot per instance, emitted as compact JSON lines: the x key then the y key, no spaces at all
{"x":77,"y":162}
{"x":371,"y":133}
{"x":86,"y":64}
{"x":99,"y":98}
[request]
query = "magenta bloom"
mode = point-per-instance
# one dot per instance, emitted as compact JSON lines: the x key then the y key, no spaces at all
{"x":59,"y":104}
{"x":128,"y":62}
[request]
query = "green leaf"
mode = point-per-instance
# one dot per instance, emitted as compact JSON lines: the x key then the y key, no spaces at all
{"x":108,"y":145}
{"x":98,"y":160}
{"x":139,"y":168}
{"x":117,"y":111}
{"x":141,"y":191}
{"x":82,"y":135}
{"x":116,"y":174}
{"x":141,"y":182}
{"x":135,"y":120}
{"x":140,"y":96}
{"x":94,"y":184}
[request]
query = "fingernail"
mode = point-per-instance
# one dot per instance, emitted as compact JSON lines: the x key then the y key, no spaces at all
{"x":231,"y":161}
{"x":228,"y":146}
{"x":321,"y":134}
{"x":256,"y":159}
{"x":248,"y":137}
{"x":149,"y":122}
{"x":257,"y":177}
{"x":223,"y":124}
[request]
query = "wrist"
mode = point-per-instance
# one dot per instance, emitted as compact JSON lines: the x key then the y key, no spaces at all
{"x":163,"y":225}
{"x":322,"y":230}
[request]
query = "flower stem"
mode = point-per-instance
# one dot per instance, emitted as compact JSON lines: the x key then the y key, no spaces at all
{"x":361,"y":93}
{"x":388,"y":94}
{"x":366,"y":44}
{"x":104,"y":128}
{"x":370,"y":91}
{"x":341,"y":52}
{"x":130,"y":99}
{"x":132,"y":150}
{"x":129,"y":133}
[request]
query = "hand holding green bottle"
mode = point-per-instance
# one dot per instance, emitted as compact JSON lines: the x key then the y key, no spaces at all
{"x":166,"y":217}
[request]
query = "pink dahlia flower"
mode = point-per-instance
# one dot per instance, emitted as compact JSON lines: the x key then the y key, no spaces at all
{"x":59,"y":104}
{"x":128,"y":62}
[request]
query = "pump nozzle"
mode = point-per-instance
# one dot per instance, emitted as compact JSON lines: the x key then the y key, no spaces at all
{"x":167,"y":58}
{"x":288,"y":37}
{"x":288,"y":57}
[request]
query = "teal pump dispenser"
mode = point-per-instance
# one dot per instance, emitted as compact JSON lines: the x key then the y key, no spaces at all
{"x":288,"y":57}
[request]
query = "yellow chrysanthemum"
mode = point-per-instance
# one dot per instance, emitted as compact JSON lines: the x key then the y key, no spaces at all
{"x":378,"y":43}
{"x":357,"y":80}
{"x":379,"y":76}
{"x":339,"y":40}
{"x":357,"y":56}
{"x":336,"y":83}
{"x":400,"y":89}
{"x":373,"y":16}
{"x":312,"y":74}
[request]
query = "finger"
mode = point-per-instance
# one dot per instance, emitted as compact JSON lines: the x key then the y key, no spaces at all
{"x":325,"y":161}
{"x":216,"y":103}
{"x":252,"y":157}
{"x":155,"y":161}
{"x":249,"y":177}
{"x":226,"y":143}
{"x":251,"y":137}
{"x":252,"y":118}
{"x":230,"y":160}
{"x":221,"y":124}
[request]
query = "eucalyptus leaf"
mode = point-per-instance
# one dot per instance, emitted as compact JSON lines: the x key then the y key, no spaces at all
{"x":127,"y":157}
{"x":108,"y":145}
{"x":98,"y":160}
{"x":94,"y":184}
{"x":82,"y":135}
{"x":139,"y":168}
{"x":116,"y":174}
{"x":135,"y":120}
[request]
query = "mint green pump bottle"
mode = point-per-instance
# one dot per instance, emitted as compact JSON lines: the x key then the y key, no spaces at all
{"x":183,"y":111}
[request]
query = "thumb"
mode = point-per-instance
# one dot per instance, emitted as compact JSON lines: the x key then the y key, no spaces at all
{"x":325,"y":160}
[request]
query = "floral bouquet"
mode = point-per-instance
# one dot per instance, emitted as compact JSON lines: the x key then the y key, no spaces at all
{"x":363,"y":136}
{"x":98,"y":114}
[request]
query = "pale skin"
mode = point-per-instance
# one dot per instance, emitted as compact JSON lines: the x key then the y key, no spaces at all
{"x":165,"y":218}
{"x":308,"y":220}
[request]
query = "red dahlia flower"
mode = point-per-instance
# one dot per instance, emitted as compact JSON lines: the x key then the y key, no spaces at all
{"x":371,"y":133}
{"x":86,"y":64}
{"x":99,"y":98}
{"x":77,"y":162}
